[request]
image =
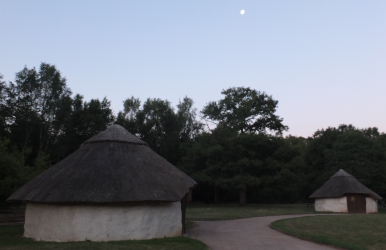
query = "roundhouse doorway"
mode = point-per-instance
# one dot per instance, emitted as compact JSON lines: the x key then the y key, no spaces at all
{"x":356,"y":203}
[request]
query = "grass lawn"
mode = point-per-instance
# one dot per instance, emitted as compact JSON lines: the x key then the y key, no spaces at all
{"x":11,"y":238}
{"x":356,"y":232}
{"x":233,"y":211}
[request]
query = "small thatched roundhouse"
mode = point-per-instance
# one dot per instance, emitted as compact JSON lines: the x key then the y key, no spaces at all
{"x":342,"y":193}
{"x":114,"y":187}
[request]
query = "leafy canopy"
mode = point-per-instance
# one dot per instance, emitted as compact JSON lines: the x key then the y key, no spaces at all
{"x":245,"y":110}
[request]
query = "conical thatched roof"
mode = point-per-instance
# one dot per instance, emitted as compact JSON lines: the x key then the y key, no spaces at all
{"x":342,"y":183}
{"x":114,"y":166}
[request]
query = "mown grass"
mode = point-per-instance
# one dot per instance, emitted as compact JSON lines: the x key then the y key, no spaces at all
{"x":354,"y":232}
{"x":11,"y":238}
{"x":233,"y":211}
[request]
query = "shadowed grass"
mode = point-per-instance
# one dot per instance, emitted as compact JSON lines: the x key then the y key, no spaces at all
{"x":233,"y":211}
{"x":11,"y":238}
{"x":354,"y":232}
{"x":189,"y":224}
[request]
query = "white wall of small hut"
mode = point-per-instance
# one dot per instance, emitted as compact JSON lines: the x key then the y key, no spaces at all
{"x":61,"y":223}
{"x":371,"y":205}
{"x":338,"y":205}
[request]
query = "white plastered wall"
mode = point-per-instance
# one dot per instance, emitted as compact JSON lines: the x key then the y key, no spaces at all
{"x":371,"y":205}
{"x":62,"y":223}
{"x":338,"y":205}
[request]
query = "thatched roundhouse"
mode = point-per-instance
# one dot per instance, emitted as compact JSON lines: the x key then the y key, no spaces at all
{"x":343,"y":193}
{"x":114,"y":187}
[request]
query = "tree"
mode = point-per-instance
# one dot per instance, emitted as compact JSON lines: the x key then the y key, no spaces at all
{"x":283,"y":172}
{"x":22,"y":99}
{"x":4,"y":110}
{"x":271,"y":168}
{"x":246,"y":112}
{"x":53,"y":98}
{"x":159,"y":128}
{"x":128,"y":117}
{"x":41,"y":124}
{"x":240,"y":163}
{"x":37,"y":101}
{"x":157,"y":123}
{"x":203,"y":159}
{"x":189,"y":127}
{"x":85,"y":119}
{"x":14,"y":172}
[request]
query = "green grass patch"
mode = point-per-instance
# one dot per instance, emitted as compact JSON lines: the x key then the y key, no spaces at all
{"x":233,"y":211}
{"x":11,"y":238}
{"x":354,"y":232}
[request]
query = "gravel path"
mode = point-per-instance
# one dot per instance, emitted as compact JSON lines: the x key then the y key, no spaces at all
{"x":251,"y":233}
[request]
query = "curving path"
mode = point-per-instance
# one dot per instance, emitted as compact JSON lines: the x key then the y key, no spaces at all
{"x":251,"y":233}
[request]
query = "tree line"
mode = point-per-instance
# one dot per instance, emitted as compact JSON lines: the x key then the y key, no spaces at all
{"x":234,"y":147}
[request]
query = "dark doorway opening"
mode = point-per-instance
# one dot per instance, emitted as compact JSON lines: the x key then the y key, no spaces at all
{"x":356,"y":203}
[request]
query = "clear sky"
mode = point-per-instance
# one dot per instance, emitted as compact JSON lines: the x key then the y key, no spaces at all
{"x":323,"y":60}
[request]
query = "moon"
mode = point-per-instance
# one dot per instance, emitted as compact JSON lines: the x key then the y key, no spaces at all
{"x":242,"y":12}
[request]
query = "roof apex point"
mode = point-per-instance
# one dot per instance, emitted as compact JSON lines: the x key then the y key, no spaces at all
{"x":341,"y":173}
{"x":116,"y":133}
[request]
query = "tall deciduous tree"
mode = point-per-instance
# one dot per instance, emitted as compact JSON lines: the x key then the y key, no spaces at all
{"x":4,"y":109}
{"x":85,"y":120}
{"x":54,"y":99}
{"x":40,"y":123}
{"x":246,"y":112}
{"x":189,"y":127}
{"x":128,"y":117}
{"x":157,"y":123}
{"x":159,"y":128}
{"x":37,"y":101}
{"x":22,"y":100}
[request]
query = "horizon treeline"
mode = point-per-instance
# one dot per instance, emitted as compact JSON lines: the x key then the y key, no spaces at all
{"x":234,"y":147}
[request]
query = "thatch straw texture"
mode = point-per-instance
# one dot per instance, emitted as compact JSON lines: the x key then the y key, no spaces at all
{"x":342,"y":183}
{"x":112,"y":167}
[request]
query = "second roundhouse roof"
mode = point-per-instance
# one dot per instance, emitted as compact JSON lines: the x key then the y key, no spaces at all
{"x":342,"y":183}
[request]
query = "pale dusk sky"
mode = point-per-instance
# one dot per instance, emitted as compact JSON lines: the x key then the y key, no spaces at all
{"x":324,"y":61}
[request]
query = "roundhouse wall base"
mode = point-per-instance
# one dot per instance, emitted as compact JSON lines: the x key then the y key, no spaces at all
{"x":337,"y":205}
{"x":63,"y":223}
{"x":371,"y":205}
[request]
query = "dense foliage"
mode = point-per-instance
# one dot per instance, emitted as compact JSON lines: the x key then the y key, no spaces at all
{"x":236,"y":151}
{"x":41,"y":124}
